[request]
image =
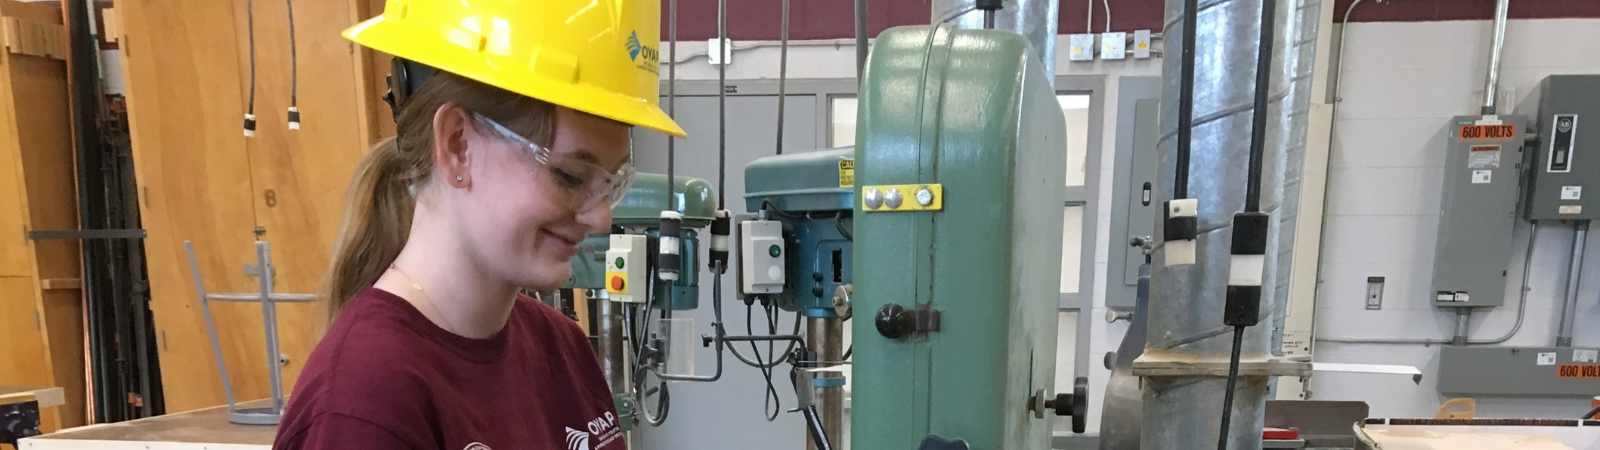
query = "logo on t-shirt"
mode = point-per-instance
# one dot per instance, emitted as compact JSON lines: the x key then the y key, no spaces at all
{"x":603,"y":430}
{"x":577,"y":440}
{"x":476,"y":446}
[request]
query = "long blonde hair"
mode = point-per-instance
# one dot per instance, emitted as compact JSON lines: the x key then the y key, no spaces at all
{"x":392,"y":177}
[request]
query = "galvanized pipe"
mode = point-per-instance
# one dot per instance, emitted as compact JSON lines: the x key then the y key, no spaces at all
{"x":824,"y":336}
{"x":1034,"y":19}
{"x":1187,"y":301}
{"x":1299,"y":67}
{"x":1490,"y":87}
{"x":1569,"y":306}
{"x":861,"y":40}
{"x":608,"y":327}
{"x":1463,"y":324}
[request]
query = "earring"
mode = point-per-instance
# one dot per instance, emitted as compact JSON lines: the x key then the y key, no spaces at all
{"x":458,"y":178}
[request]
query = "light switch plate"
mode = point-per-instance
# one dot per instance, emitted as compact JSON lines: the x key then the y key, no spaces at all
{"x":1081,"y":47}
{"x":1141,"y":44}
{"x":1113,"y":45}
{"x":1374,"y":293}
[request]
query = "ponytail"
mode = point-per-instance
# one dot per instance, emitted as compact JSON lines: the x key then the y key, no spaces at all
{"x":383,"y":193}
{"x":377,"y":220}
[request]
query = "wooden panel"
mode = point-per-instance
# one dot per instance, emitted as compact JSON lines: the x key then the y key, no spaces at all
{"x":45,"y":133}
{"x":29,"y":37}
{"x":187,"y":77}
{"x":206,"y":429}
{"x":37,"y":154}
{"x":27,"y":361}
{"x":47,"y":397}
{"x":185,"y":107}
{"x":378,"y":118}
{"x":299,"y":176}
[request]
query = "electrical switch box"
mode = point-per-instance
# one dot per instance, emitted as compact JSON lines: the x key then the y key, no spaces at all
{"x":1478,"y":210}
{"x":1113,"y":45}
{"x":761,"y":257}
{"x":1133,"y":221}
{"x":627,"y":268}
{"x":1081,"y":47}
{"x":1141,"y":44}
{"x":1564,"y":181}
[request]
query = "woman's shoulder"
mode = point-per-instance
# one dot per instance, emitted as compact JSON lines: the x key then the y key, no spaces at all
{"x":370,"y":354}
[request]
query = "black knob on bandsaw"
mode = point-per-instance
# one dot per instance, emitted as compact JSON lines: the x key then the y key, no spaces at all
{"x":893,"y":321}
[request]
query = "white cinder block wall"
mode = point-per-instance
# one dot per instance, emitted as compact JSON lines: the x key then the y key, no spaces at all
{"x":1401,"y":83}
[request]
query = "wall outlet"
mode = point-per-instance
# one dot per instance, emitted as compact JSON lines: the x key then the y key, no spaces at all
{"x":1374,"y":293}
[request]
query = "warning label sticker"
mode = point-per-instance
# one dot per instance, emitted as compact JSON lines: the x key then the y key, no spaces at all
{"x":1578,"y":371}
{"x":1484,"y":157}
{"x":1502,"y":131}
{"x":847,"y":173}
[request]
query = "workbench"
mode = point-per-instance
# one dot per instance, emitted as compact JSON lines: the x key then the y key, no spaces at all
{"x":206,"y":429}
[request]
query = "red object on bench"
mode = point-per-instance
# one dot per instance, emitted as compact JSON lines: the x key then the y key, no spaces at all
{"x":1281,"y":434}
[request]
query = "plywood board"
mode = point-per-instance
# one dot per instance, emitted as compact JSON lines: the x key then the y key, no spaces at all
{"x":377,"y":117}
{"x":44,"y":133}
{"x":186,"y":67}
{"x":47,"y":397}
{"x":185,"y":108}
{"x":1420,"y":439}
{"x":25,"y":358}
{"x":299,"y":176}
{"x":207,"y":429}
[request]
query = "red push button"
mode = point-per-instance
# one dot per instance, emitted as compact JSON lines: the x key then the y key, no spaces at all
{"x":616,"y":284}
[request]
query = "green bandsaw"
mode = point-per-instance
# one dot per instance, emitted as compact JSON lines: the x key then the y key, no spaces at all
{"x":956,"y":302}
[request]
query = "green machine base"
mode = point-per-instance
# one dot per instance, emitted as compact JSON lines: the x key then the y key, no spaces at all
{"x":959,"y":297}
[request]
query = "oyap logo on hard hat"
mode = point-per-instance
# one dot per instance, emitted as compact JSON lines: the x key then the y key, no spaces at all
{"x":636,"y":49}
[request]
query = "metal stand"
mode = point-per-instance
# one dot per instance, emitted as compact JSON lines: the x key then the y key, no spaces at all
{"x":264,"y":271}
{"x":824,"y":336}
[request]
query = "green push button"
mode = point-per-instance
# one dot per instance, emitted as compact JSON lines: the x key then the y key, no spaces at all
{"x":774,"y":251}
{"x":619,"y":262}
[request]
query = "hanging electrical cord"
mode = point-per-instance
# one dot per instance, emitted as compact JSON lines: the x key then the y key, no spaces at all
{"x":672,"y":100}
{"x":770,"y":403}
{"x":722,"y":104}
{"x":783,"y":70}
{"x":250,"y":33}
{"x":1107,"y":4}
{"x":294,"y":72}
{"x":1247,"y":259}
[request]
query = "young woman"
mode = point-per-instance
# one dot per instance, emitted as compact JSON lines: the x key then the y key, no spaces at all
{"x":513,"y":123}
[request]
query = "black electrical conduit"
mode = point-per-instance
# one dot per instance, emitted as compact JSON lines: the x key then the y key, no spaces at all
{"x":1250,"y":227}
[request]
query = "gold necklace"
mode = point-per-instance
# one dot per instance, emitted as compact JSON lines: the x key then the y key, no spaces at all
{"x":414,"y":284}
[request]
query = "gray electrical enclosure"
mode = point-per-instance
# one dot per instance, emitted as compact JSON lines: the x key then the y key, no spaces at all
{"x":1565,"y":180}
{"x":1141,"y":186}
{"x":1519,"y":371}
{"x":1135,"y":209}
{"x":1478,"y":211}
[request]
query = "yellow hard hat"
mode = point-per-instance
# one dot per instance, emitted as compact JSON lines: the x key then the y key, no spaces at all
{"x":596,"y":56}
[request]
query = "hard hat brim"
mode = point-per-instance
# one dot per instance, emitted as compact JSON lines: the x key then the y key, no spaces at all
{"x":403,"y":41}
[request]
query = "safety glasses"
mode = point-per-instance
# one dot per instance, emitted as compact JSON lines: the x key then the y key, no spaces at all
{"x":584,"y":182}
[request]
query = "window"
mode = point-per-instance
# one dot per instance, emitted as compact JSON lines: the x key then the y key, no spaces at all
{"x":1075,"y":107}
{"x":841,"y":121}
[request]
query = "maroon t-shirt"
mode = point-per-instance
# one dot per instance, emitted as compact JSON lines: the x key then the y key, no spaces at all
{"x":385,"y":377}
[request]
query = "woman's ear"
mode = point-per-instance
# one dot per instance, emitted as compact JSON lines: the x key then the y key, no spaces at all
{"x":452,"y":127}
